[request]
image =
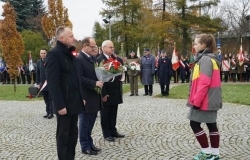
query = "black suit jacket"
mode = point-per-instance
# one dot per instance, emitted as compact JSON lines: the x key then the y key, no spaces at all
{"x":40,"y":74}
{"x":113,"y":89}
{"x":63,"y":81}
{"x":86,"y":67}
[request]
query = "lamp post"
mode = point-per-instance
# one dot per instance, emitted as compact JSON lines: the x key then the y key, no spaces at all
{"x":108,"y":22}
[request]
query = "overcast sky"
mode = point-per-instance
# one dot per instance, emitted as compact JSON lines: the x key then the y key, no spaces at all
{"x":82,"y":13}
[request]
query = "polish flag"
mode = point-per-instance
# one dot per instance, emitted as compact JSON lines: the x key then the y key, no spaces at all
{"x":175,"y":60}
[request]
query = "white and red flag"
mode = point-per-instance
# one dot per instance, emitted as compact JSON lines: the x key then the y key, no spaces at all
{"x":31,"y":66}
{"x":240,"y":55}
{"x":175,"y":60}
{"x":138,"y":51}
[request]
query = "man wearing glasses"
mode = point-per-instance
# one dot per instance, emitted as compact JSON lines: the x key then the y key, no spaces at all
{"x":111,"y":97}
{"x":86,"y":67}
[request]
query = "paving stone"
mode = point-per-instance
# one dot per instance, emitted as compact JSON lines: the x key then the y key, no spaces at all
{"x":155,"y":129}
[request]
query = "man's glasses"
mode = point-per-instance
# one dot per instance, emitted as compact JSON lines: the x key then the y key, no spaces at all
{"x":93,"y":47}
{"x":111,"y":47}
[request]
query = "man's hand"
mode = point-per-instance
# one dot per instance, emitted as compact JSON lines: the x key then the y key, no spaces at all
{"x":62,"y":111}
{"x":38,"y":86}
{"x":99,"y":84}
{"x":105,"y":98}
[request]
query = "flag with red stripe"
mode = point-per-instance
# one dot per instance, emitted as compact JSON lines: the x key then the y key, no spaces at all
{"x":175,"y":60}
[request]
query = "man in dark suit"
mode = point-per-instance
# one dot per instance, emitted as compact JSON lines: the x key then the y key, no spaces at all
{"x":64,"y":87}
{"x":40,"y":79}
{"x":86,"y":64}
{"x":111,"y":96}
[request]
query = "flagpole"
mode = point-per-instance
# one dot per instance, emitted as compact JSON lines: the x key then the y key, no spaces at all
{"x":241,"y":68}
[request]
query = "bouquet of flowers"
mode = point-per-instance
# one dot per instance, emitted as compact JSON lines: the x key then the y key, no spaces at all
{"x":134,"y":66}
{"x":108,"y":71}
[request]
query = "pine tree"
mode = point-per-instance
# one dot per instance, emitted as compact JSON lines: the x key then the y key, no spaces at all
{"x":11,"y":41}
{"x":23,"y":11}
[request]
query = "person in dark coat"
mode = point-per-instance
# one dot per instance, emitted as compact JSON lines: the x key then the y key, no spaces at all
{"x":27,"y":73}
{"x":182,"y":69}
{"x":148,"y":70}
{"x":86,"y":65}
{"x":64,"y":86}
{"x":40,"y":79}
{"x":111,"y":97}
{"x":165,"y":72}
{"x":23,"y":74}
{"x":187,"y":69}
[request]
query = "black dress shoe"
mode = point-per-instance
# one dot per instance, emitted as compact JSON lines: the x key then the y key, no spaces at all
{"x":118,"y":135}
{"x":110,"y":139}
{"x":145,"y":94}
{"x":50,"y":116}
{"x":131,"y":95}
{"x":136,"y":94}
{"x":90,"y":152}
{"x":150,"y":94}
{"x":46,"y":116}
{"x":93,"y":148}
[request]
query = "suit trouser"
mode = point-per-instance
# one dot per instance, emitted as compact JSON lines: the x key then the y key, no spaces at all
{"x":133,"y":84}
{"x":48,"y":101}
{"x":148,"y":89}
{"x":108,"y":120}
{"x":164,"y":89}
{"x":86,"y":124}
{"x":23,"y":78}
{"x":66,"y":136}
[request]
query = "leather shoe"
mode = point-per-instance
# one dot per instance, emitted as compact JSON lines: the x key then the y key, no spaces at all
{"x":136,"y":94}
{"x":46,"y":116}
{"x":90,"y":152}
{"x":131,"y":95}
{"x":93,"y":148}
{"x":50,"y":116}
{"x":150,"y":94}
{"x":118,"y":135}
{"x":145,"y":94}
{"x":110,"y":139}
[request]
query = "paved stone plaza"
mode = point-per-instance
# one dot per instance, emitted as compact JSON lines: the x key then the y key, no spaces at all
{"x":155,"y":128}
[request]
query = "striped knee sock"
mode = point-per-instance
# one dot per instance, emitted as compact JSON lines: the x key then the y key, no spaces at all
{"x":202,"y":139}
{"x":215,"y":141}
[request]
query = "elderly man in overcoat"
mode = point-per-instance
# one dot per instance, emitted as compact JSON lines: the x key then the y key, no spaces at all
{"x":147,"y":71}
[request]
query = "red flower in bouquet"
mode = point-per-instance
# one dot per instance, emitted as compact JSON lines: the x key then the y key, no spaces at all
{"x":112,"y":65}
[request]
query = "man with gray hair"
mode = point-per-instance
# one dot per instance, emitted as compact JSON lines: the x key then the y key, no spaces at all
{"x":64,"y":87}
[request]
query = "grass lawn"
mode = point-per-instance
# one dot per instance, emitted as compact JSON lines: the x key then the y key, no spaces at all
{"x":231,"y":93}
{"x":7,"y":92}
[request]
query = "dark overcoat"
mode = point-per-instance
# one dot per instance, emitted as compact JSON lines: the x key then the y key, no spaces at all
{"x":86,"y":67}
{"x":63,"y":81}
{"x":40,"y":74}
{"x":147,"y":69}
{"x":165,"y":70}
{"x":114,"y":88}
{"x":182,"y":73}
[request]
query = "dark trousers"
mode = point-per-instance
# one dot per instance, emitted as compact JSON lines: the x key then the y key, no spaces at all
{"x":226,"y":76}
{"x":165,"y":89}
{"x":28,"y":78}
{"x":148,"y":89}
{"x":247,"y":75}
{"x":86,"y":124}
{"x":66,"y":136}
{"x":233,"y":75}
{"x":108,"y":120}
{"x":48,"y":101}
{"x":23,"y":78}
